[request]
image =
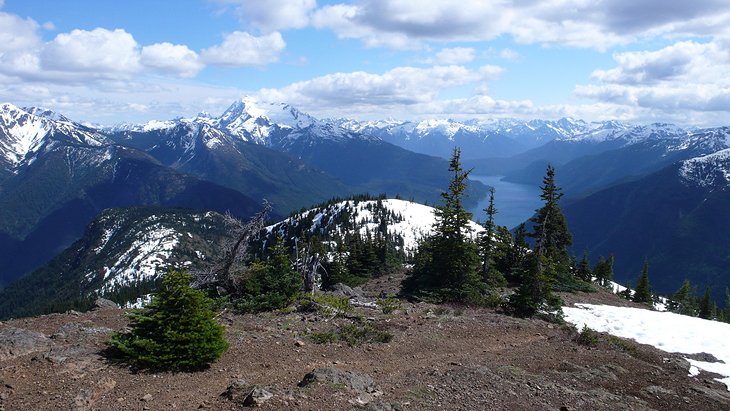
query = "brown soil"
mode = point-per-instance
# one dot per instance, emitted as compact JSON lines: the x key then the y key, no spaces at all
{"x":441,"y":357}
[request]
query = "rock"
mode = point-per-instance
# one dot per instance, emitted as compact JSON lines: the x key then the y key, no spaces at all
{"x":241,"y":392}
{"x":86,"y":399}
{"x":16,"y":342}
{"x":299,"y":343}
{"x":362,"y":384}
{"x":703,"y":356}
{"x":342,"y":290}
{"x":147,"y":398}
{"x":103,"y":303}
{"x":80,"y":332}
{"x":657,"y":391}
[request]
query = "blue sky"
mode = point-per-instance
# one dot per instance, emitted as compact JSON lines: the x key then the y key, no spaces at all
{"x":632,"y":60}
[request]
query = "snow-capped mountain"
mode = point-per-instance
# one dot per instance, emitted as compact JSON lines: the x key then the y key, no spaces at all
{"x":24,"y":131}
{"x":477,"y":138}
{"x":406,"y":221}
{"x":121,"y":256}
{"x":712,"y":170}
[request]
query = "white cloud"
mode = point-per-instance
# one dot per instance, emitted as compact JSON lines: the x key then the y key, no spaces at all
{"x":98,"y":50}
{"x":48,"y":26}
{"x":576,"y":23}
{"x":685,"y":76}
{"x":17,"y":34}
{"x":273,"y":15}
{"x":401,"y":86}
{"x":171,"y":58}
{"x":243,"y":49}
{"x":510,"y":55}
{"x":456,"y":55}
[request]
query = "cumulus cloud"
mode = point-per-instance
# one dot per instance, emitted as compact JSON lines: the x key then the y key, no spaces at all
{"x":243,"y":49}
{"x":399,"y":86}
{"x":456,"y":55}
{"x":171,"y":58}
{"x":17,"y":34}
{"x":683,"y":76}
{"x":98,"y":50}
{"x":273,"y":15}
{"x":576,"y":23}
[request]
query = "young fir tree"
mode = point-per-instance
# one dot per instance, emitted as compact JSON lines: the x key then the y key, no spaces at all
{"x":706,"y":305}
{"x":550,"y":257}
{"x":727,"y":305}
{"x":682,"y":302}
{"x":603,"y":271}
{"x":583,"y":271}
{"x":516,"y":255}
{"x":446,"y":265}
{"x":642,"y":293}
{"x":273,"y":283}
{"x":175,"y":331}
{"x":550,"y":229}
{"x":490,"y":247}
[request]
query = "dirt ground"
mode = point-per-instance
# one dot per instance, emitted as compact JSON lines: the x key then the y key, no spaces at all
{"x":440,"y":357}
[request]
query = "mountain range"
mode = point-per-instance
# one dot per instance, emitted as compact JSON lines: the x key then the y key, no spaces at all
{"x":56,"y":174}
{"x":635,"y":191}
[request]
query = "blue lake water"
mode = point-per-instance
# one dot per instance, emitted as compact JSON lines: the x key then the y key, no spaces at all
{"x":515,"y":203}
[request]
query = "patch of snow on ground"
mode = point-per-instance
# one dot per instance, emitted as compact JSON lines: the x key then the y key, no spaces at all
{"x":664,"y":330}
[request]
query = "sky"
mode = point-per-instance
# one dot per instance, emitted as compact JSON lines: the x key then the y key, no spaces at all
{"x":108,"y":62}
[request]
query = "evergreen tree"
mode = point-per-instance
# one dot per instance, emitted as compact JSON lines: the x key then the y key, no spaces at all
{"x":491,"y":246}
{"x":706,"y":305}
{"x":175,"y":331}
{"x":642,"y":293}
{"x":682,"y":301}
{"x":271,"y":284}
{"x":727,"y":305}
{"x":583,"y":271}
{"x":534,"y":294}
{"x":604,"y":271}
{"x":516,"y":256}
{"x":550,"y":229}
{"x":447,"y":263}
{"x":487,"y":237}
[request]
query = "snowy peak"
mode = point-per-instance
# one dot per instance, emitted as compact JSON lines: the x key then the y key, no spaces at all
{"x":21,"y":133}
{"x":409,"y":222}
{"x":24,"y":131}
{"x":708,"y":171}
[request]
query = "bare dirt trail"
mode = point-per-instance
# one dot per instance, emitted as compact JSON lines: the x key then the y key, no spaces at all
{"x":440,"y":357}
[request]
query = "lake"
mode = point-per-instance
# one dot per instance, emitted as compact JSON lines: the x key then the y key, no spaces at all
{"x":515,"y":203}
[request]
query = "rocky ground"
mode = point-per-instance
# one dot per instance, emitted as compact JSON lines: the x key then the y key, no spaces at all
{"x":440,"y":357}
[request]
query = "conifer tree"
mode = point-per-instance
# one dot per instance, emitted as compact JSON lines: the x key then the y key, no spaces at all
{"x":706,"y":305}
{"x":447,"y":262}
{"x":175,"y":331}
{"x":549,"y":260}
{"x":727,"y":305}
{"x":642,"y":293}
{"x":603,"y":271}
{"x":550,"y":229}
{"x":487,"y":236}
{"x":583,"y":271}
{"x":682,"y":301}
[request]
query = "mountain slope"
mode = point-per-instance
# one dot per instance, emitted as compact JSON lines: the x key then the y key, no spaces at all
{"x":198,"y":148}
{"x":353,"y":162}
{"x":121,"y":256}
{"x":676,"y":218}
{"x":61,"y":176}
{"x":477,"y":138}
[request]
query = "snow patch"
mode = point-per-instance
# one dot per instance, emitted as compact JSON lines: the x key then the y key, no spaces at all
{"x":664,"y":330}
